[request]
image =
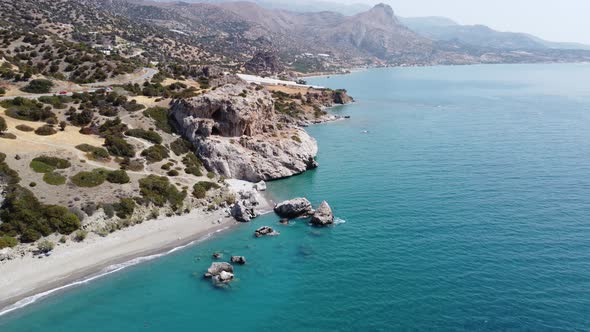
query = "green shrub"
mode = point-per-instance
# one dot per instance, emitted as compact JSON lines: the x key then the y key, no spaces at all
{"x":46,"y":164}
{"x":89,"y":179}
{"x":148,"y":135}
{"x":134,"y":165}
{"x":160,"y":116}
{"x":22,"y":214}
{"x":38,"y":86}
{"x":58,"y":102}
{"x":124,"y":208}
{"x":7,"y":174}
{"x":158,"y":190}
{"x":7,"y":242}
{"x":45,"y":246}
{"x":119,"y":176}
{"x":25,"y":128}
{"x":3,"y":126}
{"x":181,"y":146}
{"x":200,"y":189}
{"x":193,"y":164}
{"x":32,"y":184}
{"x":45,"y":130}
{"x":210,"y":175}
{"x":93,"y":152}
{"x":117,"y":146}
{"x":54,"y":179}
{"x":172,"y":172}
{"x":26,"y":109}
{"x":155,"y":153}
{"x":80,"y":235}
{"x":2,"y":91}
{"x":296,"y":138}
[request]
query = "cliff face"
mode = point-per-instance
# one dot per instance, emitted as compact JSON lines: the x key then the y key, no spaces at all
{"x":237,"y":135}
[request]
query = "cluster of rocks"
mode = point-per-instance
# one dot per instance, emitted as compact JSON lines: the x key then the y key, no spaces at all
{"x":244,"y":209}
{"x":220,"y":273}
{"x":302,"y":208}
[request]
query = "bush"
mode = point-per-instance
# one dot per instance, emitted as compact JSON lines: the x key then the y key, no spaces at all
{"x":160,"y":116}
{"x":155,"y":153}
{"x":296,"y":138}
{"x":54,"y":179}
{"x":45,"y":130}
{"x":7,"y":242}
{"x":134,"y":165}
{"x":181,"y":146}
{"x":2,"y":91}
{"x":193,"y":164}
{"x":26,"y":109}
{"x":158,"y":190}
{"x":172,"y":172}
{"x":32,"y":184}
{"x":45,"y":246}
{"x":93,"y":152}
{"x":80,"y":235}
{"x":200,"y":189}
{"x":3,"y":126}
{"x":89,"y":179}
{"x":38,"y":86}
{"x":124,"y":208}
{"x":7,"y":174}
{"x":119,"y":177}
{"x":22,"y":214}
{"x":46,"y":164}
{"x":25,"y":128}
{"x":210,"y":175}
{"x":117,"y":146}
{"x":148,"y":135}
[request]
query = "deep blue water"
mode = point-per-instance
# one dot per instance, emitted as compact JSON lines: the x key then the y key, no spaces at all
{"x":466,"y":203}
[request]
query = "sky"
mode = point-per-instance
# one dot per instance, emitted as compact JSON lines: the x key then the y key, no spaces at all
{"x":554,"y":20}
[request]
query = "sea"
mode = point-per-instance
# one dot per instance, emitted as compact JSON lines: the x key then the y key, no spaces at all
{"x":462,"y":200}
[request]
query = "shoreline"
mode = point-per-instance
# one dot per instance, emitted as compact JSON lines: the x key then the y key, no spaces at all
{"x":28,"y":279}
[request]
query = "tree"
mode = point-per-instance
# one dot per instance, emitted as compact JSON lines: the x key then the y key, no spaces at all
{"x":3,"y":126}
{"x":62,"y":125}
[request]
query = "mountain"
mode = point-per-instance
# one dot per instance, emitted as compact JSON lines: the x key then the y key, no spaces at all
{"x":444,"y":29}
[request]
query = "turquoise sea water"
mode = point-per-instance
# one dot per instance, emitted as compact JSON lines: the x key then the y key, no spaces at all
{"x":467,"y":208}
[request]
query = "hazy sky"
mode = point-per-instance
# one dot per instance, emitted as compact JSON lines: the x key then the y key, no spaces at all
{"x":555,"y":20}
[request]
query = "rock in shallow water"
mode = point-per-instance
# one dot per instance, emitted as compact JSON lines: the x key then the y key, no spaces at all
{"x":265,"y":231}
{"x":323,"y":215}
{"x":298,"y":207}
{"x":223,"y":278}
{"x":243,"y":212}
{"x":217,"y":267}
{"x":238,"y":260}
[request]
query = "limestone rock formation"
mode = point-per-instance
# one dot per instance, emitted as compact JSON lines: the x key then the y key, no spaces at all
{"x":323,"y":215}
{"x":265,"y":231}
{"x":298,"y":207}
{"x":223,"y":278}
{"x":237,"y":136}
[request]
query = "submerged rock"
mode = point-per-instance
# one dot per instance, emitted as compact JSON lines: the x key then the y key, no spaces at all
{"x":294,"y":208}
{"x":238,"y":260}
{"x":265,"y":231}
{"x":217,"y":255}
{"x":284,"y":221}
{"x":217,"y":267}
{"x":323,"y":215}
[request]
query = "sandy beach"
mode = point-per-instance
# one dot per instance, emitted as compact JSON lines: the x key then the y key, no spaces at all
{"x":27,"y":276}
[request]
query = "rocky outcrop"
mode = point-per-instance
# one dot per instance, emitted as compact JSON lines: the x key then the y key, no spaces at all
{"x":243,"y":212}
{"x":264,"y":64}
{"x":327,"y":97}
{"x":237,"y":136}
{"x":294,"y":208}
{"x":241,"y":260}
{"x":217,"y":268}
{"x":265,"y":231}
{"x":323,"y":215}
{"x":6,"y":254}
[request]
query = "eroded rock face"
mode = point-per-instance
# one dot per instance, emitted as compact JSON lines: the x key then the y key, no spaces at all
{"x":323,"y":215}
{"x":294,"y":208}
{"x":236,"y":134}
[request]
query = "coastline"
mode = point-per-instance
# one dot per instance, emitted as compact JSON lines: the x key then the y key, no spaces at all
{"x":28,"y":279}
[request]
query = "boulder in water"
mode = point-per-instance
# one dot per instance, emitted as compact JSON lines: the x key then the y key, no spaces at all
{"x":217,"y":267}
{"x":323,"y":215}
{"x":241,"y":260}
{"x":265,"y":231}
{"x":298,"y":207}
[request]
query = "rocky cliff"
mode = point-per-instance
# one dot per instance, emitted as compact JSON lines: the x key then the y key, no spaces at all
{"x":238,"y":136}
